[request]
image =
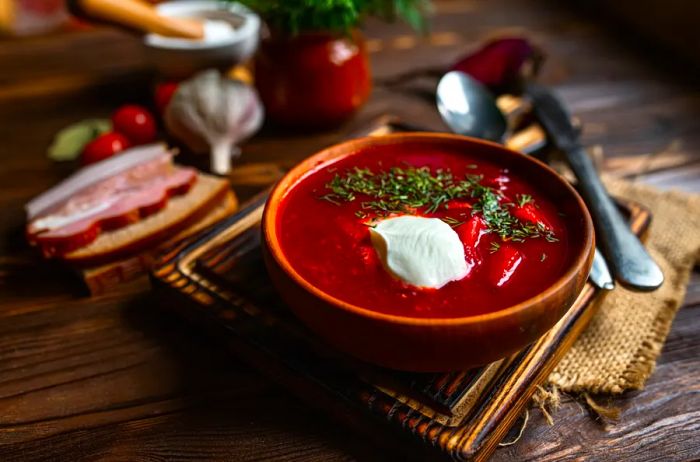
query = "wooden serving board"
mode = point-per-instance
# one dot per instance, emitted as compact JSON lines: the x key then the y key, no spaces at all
{"x":217,"y":280}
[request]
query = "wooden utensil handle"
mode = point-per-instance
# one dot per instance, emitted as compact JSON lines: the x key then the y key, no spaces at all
{"x":136,"y":14}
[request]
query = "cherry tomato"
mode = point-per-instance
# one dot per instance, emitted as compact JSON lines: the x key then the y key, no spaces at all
{"x":136,"y":123}
{"x":104,"y":146}
{"x":163,"y":94}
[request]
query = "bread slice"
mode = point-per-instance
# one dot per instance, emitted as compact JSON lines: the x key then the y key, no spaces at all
{"x":226,"y":207}
{"x":181,"y":212}
{"x":102,"y":278}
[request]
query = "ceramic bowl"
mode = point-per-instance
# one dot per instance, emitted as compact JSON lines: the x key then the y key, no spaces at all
{"x":431,"y":345}
{"x":177,"y":59}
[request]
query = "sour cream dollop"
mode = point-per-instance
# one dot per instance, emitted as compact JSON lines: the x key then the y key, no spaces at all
{"x":423,"y":252}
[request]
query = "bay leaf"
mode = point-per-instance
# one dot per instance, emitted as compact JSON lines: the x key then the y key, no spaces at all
{"x":70,"y":141}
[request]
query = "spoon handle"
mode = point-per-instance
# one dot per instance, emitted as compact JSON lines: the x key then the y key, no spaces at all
{"x":139,"y":15}
{"x":630,"y":262}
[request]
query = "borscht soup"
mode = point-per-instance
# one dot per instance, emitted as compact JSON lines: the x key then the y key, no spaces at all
{"x":424,"y":231}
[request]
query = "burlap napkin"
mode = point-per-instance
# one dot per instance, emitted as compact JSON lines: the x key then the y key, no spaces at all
{"x":618,"y":350}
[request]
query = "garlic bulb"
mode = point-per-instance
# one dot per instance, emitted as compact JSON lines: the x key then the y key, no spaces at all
{"x":213,"y":113}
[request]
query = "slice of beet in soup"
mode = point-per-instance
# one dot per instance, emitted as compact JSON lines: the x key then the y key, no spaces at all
{"x":513,"y":238}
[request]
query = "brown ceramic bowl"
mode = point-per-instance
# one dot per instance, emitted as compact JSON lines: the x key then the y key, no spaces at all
{"x":430,"y":345}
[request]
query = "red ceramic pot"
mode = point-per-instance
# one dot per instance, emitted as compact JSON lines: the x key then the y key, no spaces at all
{"x":313,"y":79}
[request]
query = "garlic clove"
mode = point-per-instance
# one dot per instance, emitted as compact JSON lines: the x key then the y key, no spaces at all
{"x":214,"y":112}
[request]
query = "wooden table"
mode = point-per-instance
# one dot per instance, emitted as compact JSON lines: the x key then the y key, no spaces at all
{"x":112,"y":378}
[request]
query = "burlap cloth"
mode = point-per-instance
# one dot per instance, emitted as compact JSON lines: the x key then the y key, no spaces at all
{"x":618,"y":350}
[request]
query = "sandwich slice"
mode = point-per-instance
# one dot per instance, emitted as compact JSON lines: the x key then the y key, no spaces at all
{"x":110,"y":219}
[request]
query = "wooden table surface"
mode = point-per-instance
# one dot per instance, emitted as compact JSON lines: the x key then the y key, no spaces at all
{"x":112,"y":378}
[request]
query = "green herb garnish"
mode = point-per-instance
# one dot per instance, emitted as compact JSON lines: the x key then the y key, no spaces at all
{"x":453,"y":222}
{"x":360,"y":214}
{"x":412,"y":189}
{"x":523,"y":199}
{"x":399,"y":190}
{"x":494,"y":247}
{"x":543,"y":257}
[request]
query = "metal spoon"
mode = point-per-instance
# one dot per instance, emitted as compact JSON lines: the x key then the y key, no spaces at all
{"x":468,"y":108}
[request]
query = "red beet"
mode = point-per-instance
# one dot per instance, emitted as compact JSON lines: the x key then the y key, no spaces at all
{"x":529,"y":212}
{"x":503,"y":265}
{"x":502,"y":64}
{"x":471,"y":232}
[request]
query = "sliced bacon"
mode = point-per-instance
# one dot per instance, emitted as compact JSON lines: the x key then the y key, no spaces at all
{"x":94,"y":174}
{"x":69,"y":223}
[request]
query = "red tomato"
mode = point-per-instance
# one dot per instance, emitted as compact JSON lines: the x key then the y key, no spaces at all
{"x":104,"y":146}
{"x":136,"y":123}
{"x":163,"y":94}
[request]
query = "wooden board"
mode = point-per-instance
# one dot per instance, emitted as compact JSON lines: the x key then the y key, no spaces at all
{"x":218,"y":281}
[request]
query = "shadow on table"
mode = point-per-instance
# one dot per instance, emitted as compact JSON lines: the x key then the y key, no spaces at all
{"x":230,"y":409}
{"x":25,"y":275}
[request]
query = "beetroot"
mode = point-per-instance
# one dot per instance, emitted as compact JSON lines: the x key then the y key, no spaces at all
{"x":471,"y":232}
{"x":529,"y":212}
{"x":502,"y":64}
{"x":503,"y":265}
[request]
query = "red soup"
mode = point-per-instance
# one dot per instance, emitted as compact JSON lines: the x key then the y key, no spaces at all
{"x":514,"y":238}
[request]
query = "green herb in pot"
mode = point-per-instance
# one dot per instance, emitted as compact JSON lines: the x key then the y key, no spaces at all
{"x":294,"y":16}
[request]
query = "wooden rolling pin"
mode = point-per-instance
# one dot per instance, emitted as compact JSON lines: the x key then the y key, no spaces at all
{"x":136,"y":14}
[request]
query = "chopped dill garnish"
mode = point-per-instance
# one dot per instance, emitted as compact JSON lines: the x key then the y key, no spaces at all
{"x":330,"y":198}
{"x":550,"y":237}
{"x":412,"y":189}
{"x":494,"y":247}
{"x":523,"y":199}
{"x":472,"y":166}
{"x":453,"y":222}
{"x":543,"y":257}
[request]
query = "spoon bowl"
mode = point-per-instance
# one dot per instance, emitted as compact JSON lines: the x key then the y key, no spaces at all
{"x":469,"y":109}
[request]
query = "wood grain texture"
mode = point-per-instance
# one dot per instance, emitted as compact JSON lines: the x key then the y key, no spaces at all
{"x":109,"y":378}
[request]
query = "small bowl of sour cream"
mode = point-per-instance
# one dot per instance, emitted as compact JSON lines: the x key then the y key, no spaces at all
{"x":231,"y":36}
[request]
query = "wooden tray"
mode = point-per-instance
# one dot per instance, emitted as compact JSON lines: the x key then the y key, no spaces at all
{"x":217,"y":280}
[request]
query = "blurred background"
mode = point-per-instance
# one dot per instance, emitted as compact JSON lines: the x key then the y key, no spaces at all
{"x":671,"y":22}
